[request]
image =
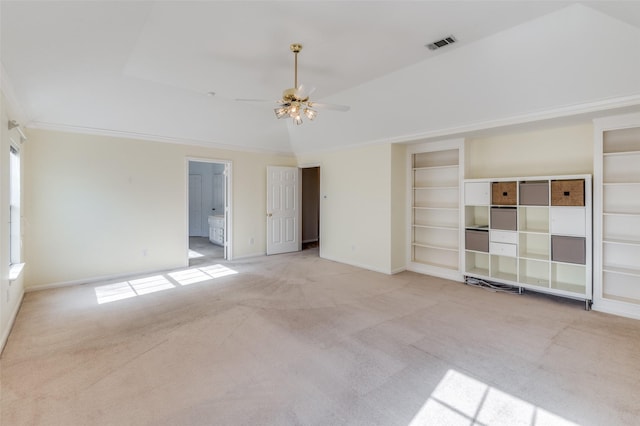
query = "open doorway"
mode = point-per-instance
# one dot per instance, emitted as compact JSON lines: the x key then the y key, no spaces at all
{"x":311,"y":208}
{"x":208,"y":208}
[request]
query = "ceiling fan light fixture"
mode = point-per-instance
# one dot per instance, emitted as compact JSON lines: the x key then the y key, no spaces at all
{"x":297,"y":120}
{"x":281,"y":112}
{"x":310,"y":114}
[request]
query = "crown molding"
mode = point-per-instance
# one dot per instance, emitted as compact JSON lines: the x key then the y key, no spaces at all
{"x":151,"y":138}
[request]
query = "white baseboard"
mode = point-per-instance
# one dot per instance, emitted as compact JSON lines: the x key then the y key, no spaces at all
{"x":445,"y":273}
{"x":92,"y":280}
{"x":247,"y":256}
{"x":612,"y":307}
{"x":12,"y":320}
{"x":358,"y":265}
{"x":398,"y":270}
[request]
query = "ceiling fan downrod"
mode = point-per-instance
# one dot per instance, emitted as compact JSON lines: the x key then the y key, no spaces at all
{"x":295,"y":48}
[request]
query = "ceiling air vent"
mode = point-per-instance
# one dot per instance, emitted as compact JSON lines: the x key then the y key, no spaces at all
{"x":441,"y":43}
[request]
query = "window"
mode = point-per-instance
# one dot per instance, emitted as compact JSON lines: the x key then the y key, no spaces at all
{"x":15,"y":242}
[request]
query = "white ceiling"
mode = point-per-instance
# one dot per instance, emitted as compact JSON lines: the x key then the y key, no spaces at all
{"x":144,"y":68}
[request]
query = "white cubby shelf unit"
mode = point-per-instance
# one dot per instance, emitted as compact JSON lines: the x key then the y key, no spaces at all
{"x":531,"y":232}
{"x":617,"y":215}
{"x":434,"y":179}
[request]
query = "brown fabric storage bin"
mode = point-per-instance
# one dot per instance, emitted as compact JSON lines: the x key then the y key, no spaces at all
{"x":567,"y":192}
{"x":504,"y":218}
{"x":476,"y":240}
{"x":568,"y":249}
{"x":534,"y":193}
{"x":504,"y":193}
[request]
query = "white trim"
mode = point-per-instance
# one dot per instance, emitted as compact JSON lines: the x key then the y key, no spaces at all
{"x":448,"y":274}
{"x":153,"y":138}
{"x":398,"y":270}
{"x":12,"y":320}
{"x":93,"y":280}
{"x":249,"y":256}
{"x":358,"y":265}
{"x":228,"y":234}
{"x":615,"y":307}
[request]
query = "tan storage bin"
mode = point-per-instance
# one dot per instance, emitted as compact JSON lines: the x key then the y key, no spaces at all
{"x":534,"y":193}
{"x":567,"y":192}
{"x":568,"y":249}
{"x":504,"y":193}
{"x":504,"y":218}
{"x":476,"y":240}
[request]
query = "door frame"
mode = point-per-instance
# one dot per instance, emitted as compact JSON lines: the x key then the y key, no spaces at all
{"x":321,"y":197}
{"x":228,"y":214}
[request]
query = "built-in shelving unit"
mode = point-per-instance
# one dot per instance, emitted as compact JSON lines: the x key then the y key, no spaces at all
{"x":530,"y":232}
{"x":434,"y":182}
{"x":617,"y":210}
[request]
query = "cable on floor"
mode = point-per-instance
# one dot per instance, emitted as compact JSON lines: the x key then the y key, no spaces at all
{"x":491,"y":286}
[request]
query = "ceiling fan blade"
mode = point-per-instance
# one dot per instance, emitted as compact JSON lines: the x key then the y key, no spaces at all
{"x":333,"y":107}
{"x":303,"y":92}
{"x":256,"y":100}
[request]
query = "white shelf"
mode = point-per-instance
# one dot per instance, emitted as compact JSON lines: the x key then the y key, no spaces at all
{"x":620,"y":154}
{"x":624,"y":242}
{"x":478,"y":272}
{"x":532,"y":266}
{"x":453,"y":167}
{"x":448,"y":188}
{"x":634,"y":185}
{"x":433,"y":246}
{"x":621,"y":271}
{"x":445,"y":228}
{"x":436,"y":207}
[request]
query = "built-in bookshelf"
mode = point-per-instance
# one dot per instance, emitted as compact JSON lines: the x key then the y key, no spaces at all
{"x":435,"y":175}
{"x":617,"y":211}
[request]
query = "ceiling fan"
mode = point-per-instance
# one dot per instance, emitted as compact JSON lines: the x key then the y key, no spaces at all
{"x":295,"y":101}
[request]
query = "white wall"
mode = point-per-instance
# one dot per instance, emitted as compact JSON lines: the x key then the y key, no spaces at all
{"x":99,"y":206}
{"x":355,"y":205}
{"x":11,"y":292}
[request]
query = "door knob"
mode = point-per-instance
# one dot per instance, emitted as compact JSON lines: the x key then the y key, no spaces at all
{"x":269,"y":214}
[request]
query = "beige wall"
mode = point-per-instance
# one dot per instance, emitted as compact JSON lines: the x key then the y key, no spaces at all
{"x":355,"y":205}
{"x":364,"y":217}
{"x":563,"y":150}
{"x":95,"y":204}
{"x":398,"y":207}
{"x":101,"y":206}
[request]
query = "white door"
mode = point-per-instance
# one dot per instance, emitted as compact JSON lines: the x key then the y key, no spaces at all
{"x":283,"y":209}
{"x":195,"y":205}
